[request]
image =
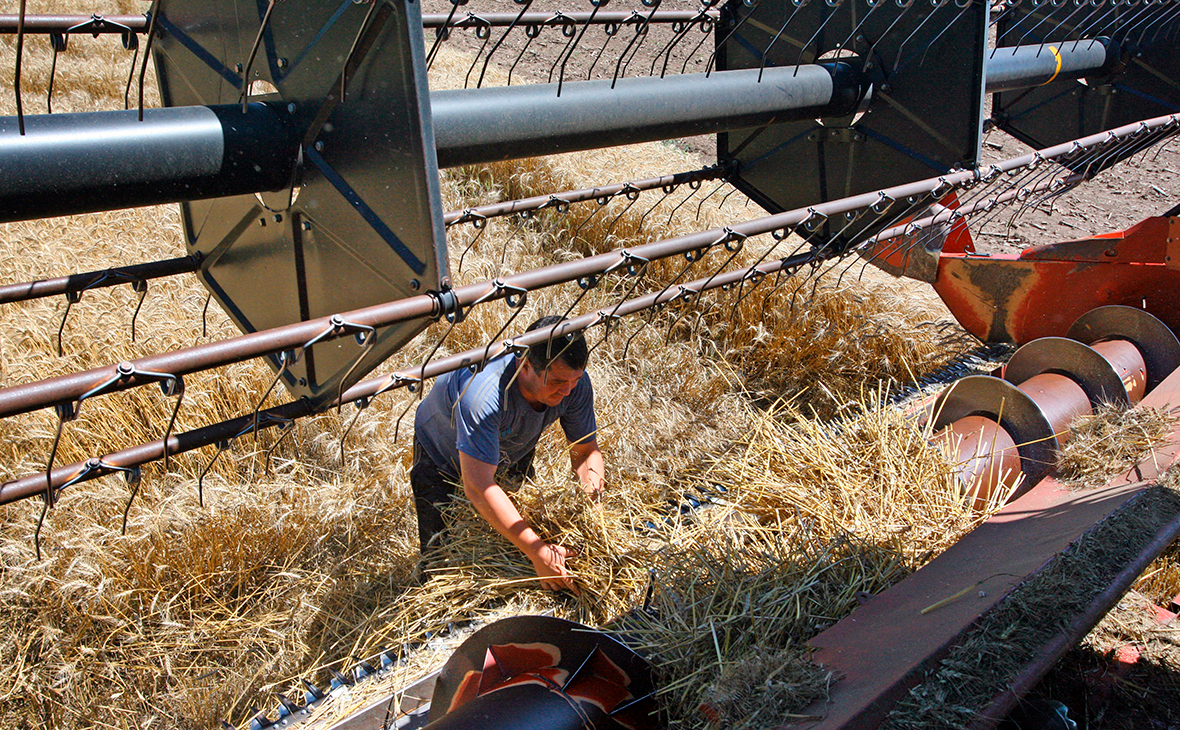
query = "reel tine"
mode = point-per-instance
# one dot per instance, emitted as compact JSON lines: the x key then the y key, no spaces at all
{"x":442,"y":33}
{"x":483,"y":31}
{"x":20,"y":110}
{"x":597,"y":4}
{"x":487,"y":59}
{"x":531,"y":32}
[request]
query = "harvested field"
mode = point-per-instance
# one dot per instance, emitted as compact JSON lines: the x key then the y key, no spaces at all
{"x":234,"y":575}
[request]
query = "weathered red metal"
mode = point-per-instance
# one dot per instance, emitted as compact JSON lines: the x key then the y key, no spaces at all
{"x":988,"y":460}
{"x":883,"y":648}
{"x":1128,"y":363}
{"x":1042,"y":290}
{"x":1060,"y":399}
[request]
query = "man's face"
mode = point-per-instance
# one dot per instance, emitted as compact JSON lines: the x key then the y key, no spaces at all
{"x":548,"y":387}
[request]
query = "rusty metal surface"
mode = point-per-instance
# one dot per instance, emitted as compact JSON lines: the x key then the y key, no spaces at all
{"x":1060,"y":399}
{"x":1048,"y":655}
{"x":1043,"y":290}
{"x":882,"y":649}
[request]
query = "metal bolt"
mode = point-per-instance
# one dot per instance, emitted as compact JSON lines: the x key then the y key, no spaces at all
{"x":415,"y":284}
{"x":262,"y":221}
{"x":307,"y":225}
{"x":319,"y":146}
{"x":238,"y":67}
{"x":860,"y":38}
{"x":278,"y":218}
{"x":282,"y":62}
{"x":291,"y":108}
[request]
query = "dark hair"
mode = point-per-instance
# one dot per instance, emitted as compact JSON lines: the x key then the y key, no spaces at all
{"x":571,"y":348}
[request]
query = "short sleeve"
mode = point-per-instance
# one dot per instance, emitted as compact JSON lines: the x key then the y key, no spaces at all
{"x":578,"y":420}
{"x":477,"y":419}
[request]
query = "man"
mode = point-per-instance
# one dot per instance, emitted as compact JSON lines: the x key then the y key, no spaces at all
{"x":481,"y":429}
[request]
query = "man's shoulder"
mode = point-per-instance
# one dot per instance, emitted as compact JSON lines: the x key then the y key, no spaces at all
{"x":486,"y":386}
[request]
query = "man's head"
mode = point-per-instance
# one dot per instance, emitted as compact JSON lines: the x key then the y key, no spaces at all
{"x":570,"y":349}
{"x":552,"y":367}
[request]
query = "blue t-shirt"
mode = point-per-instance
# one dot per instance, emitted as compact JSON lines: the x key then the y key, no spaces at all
{"x":485,"y":416}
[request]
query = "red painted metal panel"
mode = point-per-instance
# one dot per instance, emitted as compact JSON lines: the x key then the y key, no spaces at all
{"x":1041,"y":291}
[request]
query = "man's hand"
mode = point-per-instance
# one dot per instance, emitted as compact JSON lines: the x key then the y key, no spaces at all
{"x":549,"y":562}
{"x":587,"y":463}
{"x":493,"y":505}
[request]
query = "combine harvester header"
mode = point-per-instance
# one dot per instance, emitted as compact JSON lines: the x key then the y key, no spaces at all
{"x":303,"y":144}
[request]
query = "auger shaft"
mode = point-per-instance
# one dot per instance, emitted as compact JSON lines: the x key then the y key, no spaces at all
{"x":75,"y":163}
{"x":93,"y":161}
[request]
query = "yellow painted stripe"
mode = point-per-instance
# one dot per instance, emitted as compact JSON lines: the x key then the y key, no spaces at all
{"x":1057,"y":55}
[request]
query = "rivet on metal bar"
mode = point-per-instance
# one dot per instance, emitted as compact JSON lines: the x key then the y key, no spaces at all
{"x":516,"y":297}
{"x":733,"y":240}
{"x":123,"y":371}
{"x":884,"y":203}
{"x":558,"y":204}
{"x":814,"y":220}
{"x":337,"y":326}
{"x":512,"y":347}
{"x":477,"y":220}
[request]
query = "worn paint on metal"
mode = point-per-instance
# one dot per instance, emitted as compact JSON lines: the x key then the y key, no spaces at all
{"x":1041,"y":291}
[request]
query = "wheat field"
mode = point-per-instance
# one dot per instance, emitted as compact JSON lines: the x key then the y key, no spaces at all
{"x":296,"y":552}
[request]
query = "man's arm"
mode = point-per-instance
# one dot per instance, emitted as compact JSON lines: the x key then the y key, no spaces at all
{"x":587,"y":462}
{"x":493,"y":504}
